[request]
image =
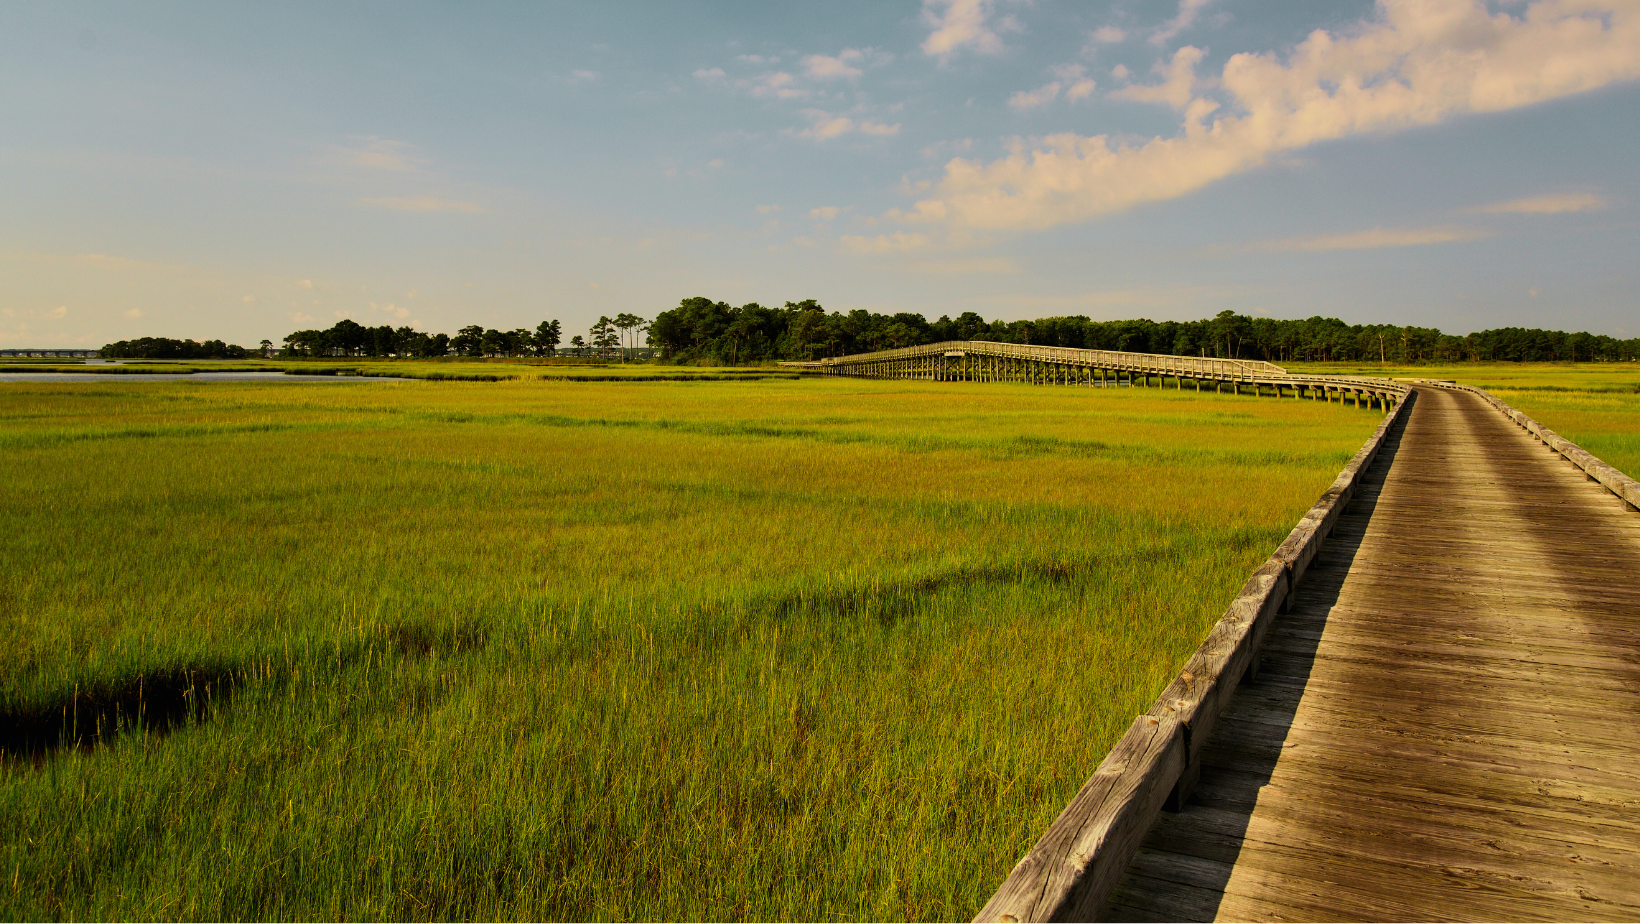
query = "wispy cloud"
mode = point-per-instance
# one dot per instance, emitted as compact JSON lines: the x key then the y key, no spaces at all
{"x":898,"y":242}
{"x":1178,"y":85}
{"x":1377,"y":237}
{"x":1109,"y":35}
{"x":1032,"y":99}
{"x":1546,"y":205}
{"x":826,"y":125}
{"x":382,"y":154}
{"x":1188,"y":11}
{"x":965,"y":267}
{"x":709,"y":73}
{"x":778,"y":85}
{"x":825,"y":67}
{"x":423,"y":204}
{"x":1071,"y":80}
{"x":1418,"y":62}
{"x":961,"y":24}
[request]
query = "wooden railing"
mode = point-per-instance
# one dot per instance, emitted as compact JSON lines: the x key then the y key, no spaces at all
{"x":1153,"y":363}
{"x":984,"y":361}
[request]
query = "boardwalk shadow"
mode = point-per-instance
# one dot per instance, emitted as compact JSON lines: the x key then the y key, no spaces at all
{"x":1207,"y":834}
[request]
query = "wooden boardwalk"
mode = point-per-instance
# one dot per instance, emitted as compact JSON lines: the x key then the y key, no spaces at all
{"x":1447,"y":723}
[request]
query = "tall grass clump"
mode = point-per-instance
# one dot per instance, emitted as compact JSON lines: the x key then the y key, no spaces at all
{"x":771,"y":649}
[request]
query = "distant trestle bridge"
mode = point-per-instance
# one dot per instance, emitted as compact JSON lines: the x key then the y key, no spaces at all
{"x":46,"y":354}
{"x":985,"y":361}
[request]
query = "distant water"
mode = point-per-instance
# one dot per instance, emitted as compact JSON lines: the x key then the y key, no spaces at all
{"x":196,"y":377}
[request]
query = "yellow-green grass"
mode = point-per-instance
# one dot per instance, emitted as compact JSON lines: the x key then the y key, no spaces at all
{"x":780,"y":649}
{"x":1595,"y":405}
{"x":454,"y":369}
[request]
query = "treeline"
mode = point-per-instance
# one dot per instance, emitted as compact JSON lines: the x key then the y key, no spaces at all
{"x":350,"y":338}
{"x":609,"y":337}
{"x":166,"y":348}
{"x":700,"y":329}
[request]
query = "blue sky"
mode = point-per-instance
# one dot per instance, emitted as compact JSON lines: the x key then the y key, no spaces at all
{"x":240,"y":170}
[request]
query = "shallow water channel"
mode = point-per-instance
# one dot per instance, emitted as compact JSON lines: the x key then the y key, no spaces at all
{"x":190,"y":377}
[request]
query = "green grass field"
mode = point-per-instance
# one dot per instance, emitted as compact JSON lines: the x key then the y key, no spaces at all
{"x":1595,"y":405}
{"x":449,"y":370}
{"x":533,"y":649}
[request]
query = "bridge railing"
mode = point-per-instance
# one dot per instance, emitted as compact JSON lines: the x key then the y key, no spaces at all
{"x":1111,"y":359}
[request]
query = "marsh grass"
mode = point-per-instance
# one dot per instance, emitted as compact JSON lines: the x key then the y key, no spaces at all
{"x":771,"y":649}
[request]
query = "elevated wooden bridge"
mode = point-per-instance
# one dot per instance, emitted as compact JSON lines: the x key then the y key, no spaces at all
{"x":984,"y":361}
{"x":1420,"y":708}
{"x":15,"y":352}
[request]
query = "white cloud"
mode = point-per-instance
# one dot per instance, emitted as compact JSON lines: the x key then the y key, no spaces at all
{"x":1120,"y":72}
{"x":61,"y":311}
{"x":1109,"y":35}
{"x":1071,"y":80}
{"x":300,"y":318}
{"x":1188,"y":10}
{"x":756,"y":59}
{"x":766,"y":209}
{"x":965,"y":267}
{"x":1417,"y":62}
{"x":423,"y":204}
{"x":825,"y":212}
{"x":715,"y":163}
{"x":382,"y":154}
{"x":778,"y":85}
{"x":1081,"y":89}
{"x":1546,"y":205}
{"x":709,"y":73}
{"x":959,"y":24}
{"x":390,"y":309}
{"x":1030,"y":99}
{"x":305,"y":283}
{"x":583,"y":76}
{"x":132,"y":313}
{"x":249,"y":299}
{"x":1178,"y":85}
{"x":822,"y":67}
{"x":898,"y":242}
{"x":825,"y":126}
{"x":1377,"y":237}
{"x":828,"y":126}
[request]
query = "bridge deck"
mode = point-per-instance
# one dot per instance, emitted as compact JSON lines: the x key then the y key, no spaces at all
{"x":1445,"y":725}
